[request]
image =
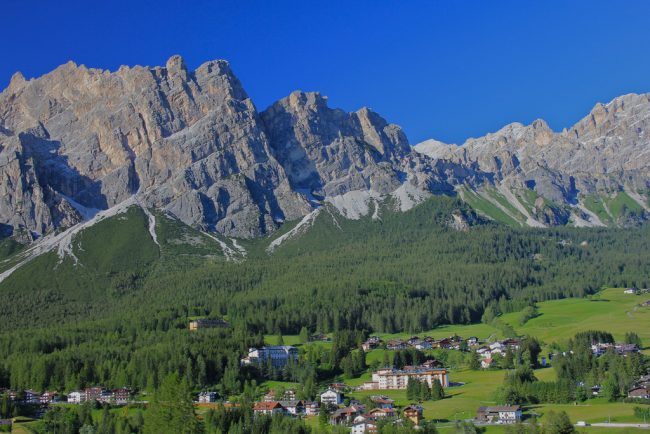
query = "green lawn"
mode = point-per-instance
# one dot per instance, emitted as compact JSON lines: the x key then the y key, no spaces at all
{"x":481,"y":331}
{"x":288,"y":339}
{"x":610,"y":310}
{"x":559,"y":320}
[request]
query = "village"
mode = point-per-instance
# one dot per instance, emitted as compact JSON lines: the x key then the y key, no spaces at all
{"x":336,"y":402}
{"x":384,"y":393}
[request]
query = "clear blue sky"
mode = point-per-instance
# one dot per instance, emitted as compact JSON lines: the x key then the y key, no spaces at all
{"x":447,"y":70}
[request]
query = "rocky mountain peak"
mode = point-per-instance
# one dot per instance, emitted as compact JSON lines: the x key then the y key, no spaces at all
{"x":78,"y":140}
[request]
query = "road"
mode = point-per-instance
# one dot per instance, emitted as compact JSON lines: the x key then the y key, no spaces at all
{"x":622,"y":425}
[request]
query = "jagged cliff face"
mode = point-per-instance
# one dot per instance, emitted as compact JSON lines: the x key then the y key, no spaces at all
{"x":192,"y":143}
{"x":330,"y":152}
{"x":606,"y":152}
{"x":78,"y":140}
{"x":188,"y":142}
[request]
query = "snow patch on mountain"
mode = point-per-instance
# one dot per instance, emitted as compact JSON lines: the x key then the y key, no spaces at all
{"x":62,"y":242}
{"x":302,"y":227}
{"x":152,"y":224}
{"x":407,"y":196}
{"x":354,"y":204}
{"x":228,"y":252}
{"x":242,"y":251}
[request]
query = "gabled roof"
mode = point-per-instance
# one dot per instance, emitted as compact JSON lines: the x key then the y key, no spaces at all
{"x":267,"y":406}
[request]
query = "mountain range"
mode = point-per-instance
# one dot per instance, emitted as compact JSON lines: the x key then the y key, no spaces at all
{"x":80,"y":144}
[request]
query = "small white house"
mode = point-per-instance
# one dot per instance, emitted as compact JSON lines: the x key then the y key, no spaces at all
{"x":76,"y":397}
{"x":363,"y":427}
{"x":207,"y":397}
{"x":331,"y":397}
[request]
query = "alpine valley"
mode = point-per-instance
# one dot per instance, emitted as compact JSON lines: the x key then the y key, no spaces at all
{"x":78,"y":145}
{"x":133,"y":202}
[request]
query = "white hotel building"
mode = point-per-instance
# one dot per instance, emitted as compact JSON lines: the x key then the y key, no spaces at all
{"x":398,"y":379}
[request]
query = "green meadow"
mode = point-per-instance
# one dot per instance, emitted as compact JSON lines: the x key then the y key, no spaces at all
{"x":559,"y":320}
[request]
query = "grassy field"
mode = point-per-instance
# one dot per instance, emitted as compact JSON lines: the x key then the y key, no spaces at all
{"x":463,"y":401}
{"x":609,"y":310}
{"x":559,"y":320}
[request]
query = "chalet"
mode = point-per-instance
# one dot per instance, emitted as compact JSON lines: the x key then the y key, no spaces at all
{"x":413,"y":412}
{"x":94,"y":394}
{"x":445,"y":343}
{"x":207,"y":397}
{"x":48,"y":397}
{"x":345,"y":415}
{"x":423,"y":345}
{"x":634,"y":290}
{"x":431,"y":363}
{"x":339,"y":387}
{"x":331,"y":397}
{"x":319,"y":337}
{"x":396,"y":344}
{"x":76,"y":397}
{"x":121,"y":396}
{"x":267,"y":408}
{"x":513,"y":344}
{"x":207,"y":324}
{"x":287,"y":395}
{"x":374,"y":340}
{"x":371,"y":343}
{"x":500,"y":414}
{"x":106,"y":396}
{"x":472,"y":341}
{"x":279,"y":356}
{"x":293,"y":407}
{"x":639,"y":392}
{"x":487,"y":363}
{"x":32,"y":397}
{"x":363,"y":427}
{"x":646,"y":303}
{"x":312,"y":408}
{"x":398,"y":379}
{"x":413,"y":340}
{"x":382,"y":412}
{"x":382,"y":401}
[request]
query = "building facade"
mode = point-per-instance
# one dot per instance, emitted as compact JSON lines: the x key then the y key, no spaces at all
{"x":279,"y":356}
{"x":399,"y":378}
{"x":500,"y":414}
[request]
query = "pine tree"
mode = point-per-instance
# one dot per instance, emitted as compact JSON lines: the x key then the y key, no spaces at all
{"x":411,"y":389}
{"x":304,"y":335}
{"x":171,"y":409}
{"x":437,"y":392}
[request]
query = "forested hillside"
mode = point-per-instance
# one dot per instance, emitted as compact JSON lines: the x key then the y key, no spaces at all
{"x":119,"y":314}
